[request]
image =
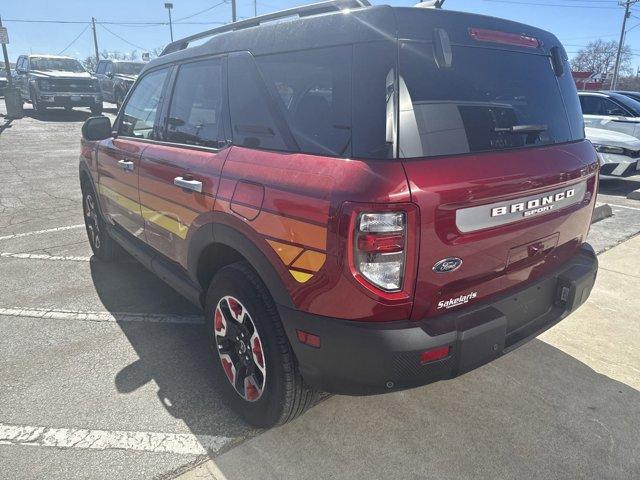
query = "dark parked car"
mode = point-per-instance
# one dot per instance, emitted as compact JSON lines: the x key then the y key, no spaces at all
{"x":53,"y":81}
{"x":116,"y":77}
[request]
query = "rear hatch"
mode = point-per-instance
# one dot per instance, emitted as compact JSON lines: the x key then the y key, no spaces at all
{"x":491,"y":135}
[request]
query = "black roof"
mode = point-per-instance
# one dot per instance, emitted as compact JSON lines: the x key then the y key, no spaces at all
{"x":368,"y":24}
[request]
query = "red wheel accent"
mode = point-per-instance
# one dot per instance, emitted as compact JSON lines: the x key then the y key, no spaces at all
{"x":219,"y":322}
{"x":229,"y":369}
{"x":257,"y":351}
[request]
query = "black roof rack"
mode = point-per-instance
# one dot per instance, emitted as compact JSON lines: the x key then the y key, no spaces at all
{"x":303,"y":11}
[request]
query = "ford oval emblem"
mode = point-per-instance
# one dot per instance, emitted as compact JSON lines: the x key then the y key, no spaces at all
{"x":447,"y":265}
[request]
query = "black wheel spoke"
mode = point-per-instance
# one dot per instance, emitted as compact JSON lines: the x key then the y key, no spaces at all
{"x":241,"y":374}
{"x":225,"y":345}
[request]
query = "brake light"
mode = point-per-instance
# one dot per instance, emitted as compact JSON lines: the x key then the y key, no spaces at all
{"x":495,"y":36}
{"x":380,"y":248}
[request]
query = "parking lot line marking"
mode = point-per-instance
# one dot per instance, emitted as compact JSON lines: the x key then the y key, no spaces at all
{"x":624,"y":206}
{"x":38,"y":232}
{"x":114,"y":317}
{"x":156,"y":442}
{"x":42,"y":256}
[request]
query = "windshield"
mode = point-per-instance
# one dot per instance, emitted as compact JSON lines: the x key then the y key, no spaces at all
{"x":61,"y":64}
{"x":129,"y":68}
{"x":488,"y":99}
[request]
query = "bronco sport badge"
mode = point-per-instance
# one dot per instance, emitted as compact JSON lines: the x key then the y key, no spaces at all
{"x":500,"y":213}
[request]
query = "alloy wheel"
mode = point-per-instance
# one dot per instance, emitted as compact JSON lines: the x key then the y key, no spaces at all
{"x":91,"y":220}
{"x":239,"y":347}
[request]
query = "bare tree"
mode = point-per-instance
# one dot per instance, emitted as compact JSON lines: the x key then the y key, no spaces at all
{"x":631,"y":83}
{"x":600,"y":57}
{"x":89,"y":63}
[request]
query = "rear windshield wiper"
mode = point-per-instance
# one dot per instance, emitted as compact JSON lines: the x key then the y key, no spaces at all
{"x":522,"y":129}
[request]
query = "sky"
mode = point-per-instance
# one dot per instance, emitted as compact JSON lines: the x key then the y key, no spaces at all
{"x":575,"y":22}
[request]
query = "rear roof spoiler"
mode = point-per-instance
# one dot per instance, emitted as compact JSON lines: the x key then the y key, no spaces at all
{"x":303,"y":11}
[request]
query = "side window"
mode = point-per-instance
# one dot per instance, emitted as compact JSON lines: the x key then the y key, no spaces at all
{"x":254,"y":119}
{"x":108,"y":68}
{"x":22,"y":63}
{"x":196,"y":105}
{"x":613,"y":108}
{"x":139,"y":115}
{"x":592,"y":105}
{"x":100,"y":68}
{"x":314,"y":92}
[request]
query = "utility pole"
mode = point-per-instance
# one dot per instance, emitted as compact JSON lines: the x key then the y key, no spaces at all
{"x":233,"y":10}
{"x":616,"y":69}
{"x":6,"y":62}
{"x":95,"y":40}
{"x":169,"y":6}
{"x":255,"y":8}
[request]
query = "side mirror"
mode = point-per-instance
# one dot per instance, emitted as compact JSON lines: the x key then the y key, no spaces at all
{"x":96,"y":128}
{"x":20,"y":71}
{"x":110,"y":75}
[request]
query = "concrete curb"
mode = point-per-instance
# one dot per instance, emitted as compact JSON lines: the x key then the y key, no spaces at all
{"x":635,"y":195}
{"x":601,"y":212}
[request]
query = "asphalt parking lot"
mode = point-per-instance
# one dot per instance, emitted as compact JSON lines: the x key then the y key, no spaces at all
{"x":104,"y":369}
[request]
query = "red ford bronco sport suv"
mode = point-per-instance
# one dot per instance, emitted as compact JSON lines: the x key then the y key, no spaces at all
{"x":362,"y":199}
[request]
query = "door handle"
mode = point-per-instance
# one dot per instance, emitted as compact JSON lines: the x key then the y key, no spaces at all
{"x":190,"y":184}
{"x":126,"y":165}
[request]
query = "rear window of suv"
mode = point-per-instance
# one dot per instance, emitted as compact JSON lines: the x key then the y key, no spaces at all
{"x":486,"y":100}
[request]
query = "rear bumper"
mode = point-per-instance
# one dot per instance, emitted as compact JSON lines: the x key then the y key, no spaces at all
{"x":357,"y":358}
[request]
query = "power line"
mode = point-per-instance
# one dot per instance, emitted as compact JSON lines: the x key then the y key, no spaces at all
{"x":123,"y":39}
{"x":129,"y":24}
{"x":74,"y":40}
{"x":200,"y":12}
{"x":551,"y":4}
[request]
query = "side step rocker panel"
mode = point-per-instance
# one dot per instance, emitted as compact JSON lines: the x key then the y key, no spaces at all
{"x":164,"y":269}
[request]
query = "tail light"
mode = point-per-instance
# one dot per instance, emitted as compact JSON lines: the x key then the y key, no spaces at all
{"x":380,"y":250}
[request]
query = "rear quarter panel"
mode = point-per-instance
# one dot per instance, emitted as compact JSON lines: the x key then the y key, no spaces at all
{"x":295,"y":222}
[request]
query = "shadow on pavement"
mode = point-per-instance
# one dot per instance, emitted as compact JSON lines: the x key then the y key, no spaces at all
{"x":58,"y":115}
{"x":176,"y":357}
{"x":6,"y":124}
{"x":536,"y":413}
{"x":619,"y":187}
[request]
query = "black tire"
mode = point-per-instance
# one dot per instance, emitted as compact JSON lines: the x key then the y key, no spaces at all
{"x":103,"y":246}
{"x":284,"y":395}
{"x":35,"y":103}
{"x":96,"y":108}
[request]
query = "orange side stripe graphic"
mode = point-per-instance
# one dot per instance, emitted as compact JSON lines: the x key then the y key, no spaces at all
{"x":310,"y":260}
{"x":287,"y":229}
{"x":286,"y":252}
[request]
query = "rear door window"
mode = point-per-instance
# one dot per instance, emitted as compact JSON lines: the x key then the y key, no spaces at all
{"x":313,"y":89}
{"x":488,"y":99}
{"x":140,"y":112}
{"x":195,"y":114}
{"x":255,"y":119}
